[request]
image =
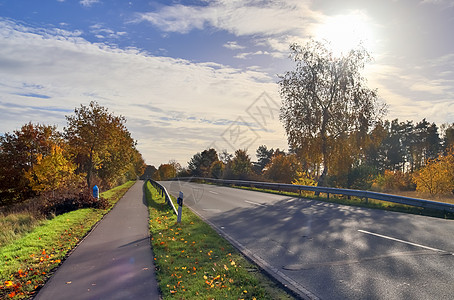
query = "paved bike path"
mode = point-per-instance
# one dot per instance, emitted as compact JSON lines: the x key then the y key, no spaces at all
{"x":114,"y":261}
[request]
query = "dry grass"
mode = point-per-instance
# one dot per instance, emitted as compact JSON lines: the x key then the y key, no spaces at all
{"x":15,"y":225}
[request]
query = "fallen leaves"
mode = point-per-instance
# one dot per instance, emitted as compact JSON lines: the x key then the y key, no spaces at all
{"x":192,"y":261}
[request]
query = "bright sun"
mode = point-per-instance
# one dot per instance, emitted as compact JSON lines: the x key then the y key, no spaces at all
{"x":345,"y":32}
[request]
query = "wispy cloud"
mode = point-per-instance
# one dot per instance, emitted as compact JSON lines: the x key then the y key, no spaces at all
{"x":33,"y":95}
{"x":88,"y":3}
{"x":245,"y":55}
{"x":169,"y":101}
{"x":243,"y":18}
{"x":233,"y":45}
{"x":422,"y":91}
{"x":102,"y":32}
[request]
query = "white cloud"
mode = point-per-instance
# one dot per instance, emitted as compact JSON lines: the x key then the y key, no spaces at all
{"x":174,"y":107}
{"x":101,"y":32}
{"x":238,"y":17}
{"x":414,"y":93}
{"x":88,"y":3}
{"x":233,"y":45}
{"x":246,"y":55}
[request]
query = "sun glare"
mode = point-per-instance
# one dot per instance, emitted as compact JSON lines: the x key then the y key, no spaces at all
{"x":345,"y":32}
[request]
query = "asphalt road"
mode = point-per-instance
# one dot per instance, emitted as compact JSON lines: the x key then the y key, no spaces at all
{"x":114,"y":261}
{"x":331,"y":251}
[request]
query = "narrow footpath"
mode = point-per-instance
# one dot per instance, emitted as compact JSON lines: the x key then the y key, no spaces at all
{"x":114,"y":261}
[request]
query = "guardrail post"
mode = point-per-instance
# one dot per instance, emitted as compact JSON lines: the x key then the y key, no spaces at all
{"x":180,"y":207}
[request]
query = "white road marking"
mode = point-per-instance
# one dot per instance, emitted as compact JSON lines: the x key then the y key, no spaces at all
{"x":255,"y":203}
{"x":215,"y":210}
{"x":213,"y":192}
{"x":402,"y":241}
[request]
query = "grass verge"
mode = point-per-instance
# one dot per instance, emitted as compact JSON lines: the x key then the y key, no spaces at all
{"x":28,"y":262}
{"x":194,"y":262}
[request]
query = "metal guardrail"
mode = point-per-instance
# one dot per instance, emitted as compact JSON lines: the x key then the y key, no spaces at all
{"x":164,"y":193}
{"x":447,"y":207}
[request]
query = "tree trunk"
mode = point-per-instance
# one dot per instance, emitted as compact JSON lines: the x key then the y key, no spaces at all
{"x":89,"y":169}
{"x":324,"y":149}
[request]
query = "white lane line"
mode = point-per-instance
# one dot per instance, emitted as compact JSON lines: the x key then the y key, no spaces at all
{"x":215,"y":210}
{"x":255,"y":203}
{"x":213,"y":192}
{"x":401,"y":241}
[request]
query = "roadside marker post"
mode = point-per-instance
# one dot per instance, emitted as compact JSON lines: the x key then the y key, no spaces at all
{"x":180,"y":207}
{"x":96,"y":192}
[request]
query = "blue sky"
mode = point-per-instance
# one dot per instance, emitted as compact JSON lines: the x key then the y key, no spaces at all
{"x":189,"y":75}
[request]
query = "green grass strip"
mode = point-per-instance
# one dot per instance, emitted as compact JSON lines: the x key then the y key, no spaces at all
{"x":28,"y":262}
{"x":194,"y":262}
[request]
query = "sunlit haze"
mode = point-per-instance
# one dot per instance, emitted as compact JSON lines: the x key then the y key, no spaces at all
{"x":345,"y":32}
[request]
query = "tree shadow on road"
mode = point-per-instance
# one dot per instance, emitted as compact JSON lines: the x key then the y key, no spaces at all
{"x":318,"y":245}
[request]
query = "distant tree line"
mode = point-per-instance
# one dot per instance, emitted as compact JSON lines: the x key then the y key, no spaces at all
{"x":393,"y":156}
{"x":94,"y":148}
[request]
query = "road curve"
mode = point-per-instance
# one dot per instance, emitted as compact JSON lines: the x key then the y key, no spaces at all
{"x":333,"y":251}
{"x":114,"y":261}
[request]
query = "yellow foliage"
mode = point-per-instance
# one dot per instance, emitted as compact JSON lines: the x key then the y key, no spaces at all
{"x":50,"y":172}
{"x":392,"y":181}
{"x":303,"y":178}
{"x":437,"y":177}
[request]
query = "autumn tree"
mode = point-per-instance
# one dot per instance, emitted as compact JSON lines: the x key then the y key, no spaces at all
{"x":325,"y":96}
{"x":217,"y":169}
{"x":100,"y":142}
{"x":166,"y":171}
{"x":240,"y":167}
{"x":283,"y":168}
{"x":19,"y":151}
{"x":136,"y":166}
{"x":176,"y":165}
{"x":51,"y":172}
{"x":148,"y":172}
{"x":437,"y":177}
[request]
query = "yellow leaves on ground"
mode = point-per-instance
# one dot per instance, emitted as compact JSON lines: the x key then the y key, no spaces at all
{"x":192,"y":262}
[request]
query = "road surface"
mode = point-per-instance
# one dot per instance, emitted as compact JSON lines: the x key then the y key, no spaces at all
{"x":331,"y":251}
{"x":114,"y":261}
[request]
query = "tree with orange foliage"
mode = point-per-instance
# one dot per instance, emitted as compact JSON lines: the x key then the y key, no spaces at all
{"x":18,"y":155}
{"x":100,"y":142}
{"x":437,"y":177}
{"x":166,"y":171}
{"x":283,"y":168}
{"x":51,"y":171}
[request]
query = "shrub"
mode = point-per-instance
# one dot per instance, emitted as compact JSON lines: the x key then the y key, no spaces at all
{"x":67,"y":202}
{"x":437,"y":177}
{"x":393,"y":181}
